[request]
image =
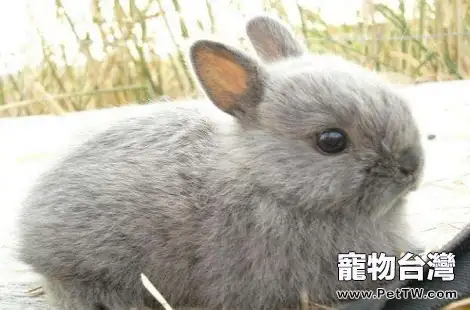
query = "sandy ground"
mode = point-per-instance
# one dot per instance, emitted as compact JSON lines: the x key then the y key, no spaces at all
{"x":438,"y":210}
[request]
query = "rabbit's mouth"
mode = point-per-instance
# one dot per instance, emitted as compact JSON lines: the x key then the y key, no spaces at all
{"x":378,"y":201}
{"x":414,"y":187}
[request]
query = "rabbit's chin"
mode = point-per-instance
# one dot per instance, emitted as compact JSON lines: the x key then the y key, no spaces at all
{"x":397,"y":205}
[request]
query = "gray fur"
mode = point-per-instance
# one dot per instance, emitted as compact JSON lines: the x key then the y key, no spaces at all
{"x":238,"y":210}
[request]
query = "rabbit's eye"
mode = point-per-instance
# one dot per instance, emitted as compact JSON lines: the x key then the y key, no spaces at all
{"x":332,"y":141}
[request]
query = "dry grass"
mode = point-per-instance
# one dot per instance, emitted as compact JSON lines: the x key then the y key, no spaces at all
{"x":155,"y":293}
{"x":463,"y":304}
{"x":422,"y":48}
{"x":305,"y":305}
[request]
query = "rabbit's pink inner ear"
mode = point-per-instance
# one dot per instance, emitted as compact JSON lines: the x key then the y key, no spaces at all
{"x":224,"y":78}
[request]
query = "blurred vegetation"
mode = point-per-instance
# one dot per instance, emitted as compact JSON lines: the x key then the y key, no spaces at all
{"x":431,"y":45}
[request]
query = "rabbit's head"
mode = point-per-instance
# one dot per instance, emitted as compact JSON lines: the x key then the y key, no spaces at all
{"x":314,"y":131}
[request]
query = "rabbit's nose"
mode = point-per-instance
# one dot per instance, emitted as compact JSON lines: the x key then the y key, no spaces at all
{"x":409,"y":161}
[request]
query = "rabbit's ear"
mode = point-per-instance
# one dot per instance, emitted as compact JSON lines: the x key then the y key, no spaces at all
{"x":231,"y":79}
{"x":272,"y":39}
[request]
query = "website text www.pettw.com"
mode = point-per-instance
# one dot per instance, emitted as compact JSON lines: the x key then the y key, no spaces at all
{"x":398,"y":293}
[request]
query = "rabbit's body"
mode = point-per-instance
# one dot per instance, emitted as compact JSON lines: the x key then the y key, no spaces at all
{"x":242,"y":211}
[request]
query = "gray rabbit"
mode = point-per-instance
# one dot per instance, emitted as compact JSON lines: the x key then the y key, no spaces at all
{"x":242,"y":202}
